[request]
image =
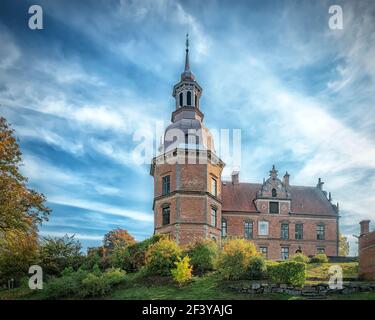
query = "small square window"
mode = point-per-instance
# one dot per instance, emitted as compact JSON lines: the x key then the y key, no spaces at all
{"x":263,"y":251}
{"x":274,"y":207}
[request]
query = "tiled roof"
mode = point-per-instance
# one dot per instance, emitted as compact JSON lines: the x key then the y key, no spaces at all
{"x":305,"y":200}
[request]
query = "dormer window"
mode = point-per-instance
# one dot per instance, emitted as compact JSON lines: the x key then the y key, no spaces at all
{"x":274,"y":193}
{"x":188,"y":98}
{"x":274,"y":207}
{"x":181,"y":96}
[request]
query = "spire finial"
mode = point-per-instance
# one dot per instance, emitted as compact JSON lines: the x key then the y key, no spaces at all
{"x":187,"y":41}
{"x":273,"y":172}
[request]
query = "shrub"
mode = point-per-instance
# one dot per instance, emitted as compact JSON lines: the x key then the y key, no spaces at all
{"x":133,"y":257}
{"x":319,"y":258}
{"x":300,"y":257}
{"x":99,"y":285}
{"x":257,"y":268}
{"x":83,"y":283}
{"x":203,"y":255}
{"x":161,"y":256}
{"x":183,"y":271}
{"x":234,"y":258}
{"x":67,"y":285}
{"x":94,"y":285}
{"x":288,"y":272}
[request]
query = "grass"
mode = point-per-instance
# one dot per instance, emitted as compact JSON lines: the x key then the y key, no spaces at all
{"x":319,"y":271}
{"x":209,"y":287}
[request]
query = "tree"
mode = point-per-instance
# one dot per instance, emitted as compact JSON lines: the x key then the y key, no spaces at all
{"x":56,"y":254}
{"x":117,"y":238}
{"x":18,"y":204}
{"x":343,"y":246}
{"x":18,"y":251}
{"x":21,"y":211}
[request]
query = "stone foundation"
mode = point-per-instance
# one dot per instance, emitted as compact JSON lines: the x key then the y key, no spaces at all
{"x":309,"y":291}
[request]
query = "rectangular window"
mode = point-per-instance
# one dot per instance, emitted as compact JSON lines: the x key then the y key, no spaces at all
{"x":320,"y":250}
{"x":284,"y":231}
{"x":320,"y":232}
{"x":166,"y":185}
{"x":299,"y":231}
{"x":263,"y":228}
{"x":284,"y":253}
{"x":263,"y":251}
{"x":214,"y":187}
{"x":274,"y":207}
{"x":223,"y":228}
{"x":213,"y":217}
{"x":248,"y":232}
{"x":166,"y":215}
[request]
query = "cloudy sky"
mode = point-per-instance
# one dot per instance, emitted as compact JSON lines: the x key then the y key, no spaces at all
{"x":80,"y":92}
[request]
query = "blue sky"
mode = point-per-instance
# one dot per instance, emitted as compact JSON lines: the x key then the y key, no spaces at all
{"x":77,"y":91}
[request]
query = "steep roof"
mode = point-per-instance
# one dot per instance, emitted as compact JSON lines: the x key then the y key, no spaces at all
{"x":305,"y":200}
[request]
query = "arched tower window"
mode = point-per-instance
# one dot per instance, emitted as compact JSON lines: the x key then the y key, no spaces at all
{"x":188,"y":98}
{"x":274,"y":193}
{"x":196,"y":101}
{"x":181,"y":97}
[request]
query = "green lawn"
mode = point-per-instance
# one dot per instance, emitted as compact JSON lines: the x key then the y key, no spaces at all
{"x":200,"y":288}
{"x":319,"y":271}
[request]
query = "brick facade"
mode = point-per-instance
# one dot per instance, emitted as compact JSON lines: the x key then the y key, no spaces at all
{"x":367,"y":252}
{"x":309,"y":245}
{"x":188,"y":208}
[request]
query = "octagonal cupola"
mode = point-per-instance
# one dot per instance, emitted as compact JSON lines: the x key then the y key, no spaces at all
{"x":187,"y":92}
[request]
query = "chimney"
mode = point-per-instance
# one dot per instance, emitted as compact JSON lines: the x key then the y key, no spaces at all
{"x":235,"y":177}
{"x":365,"y":227}
{"x":286,"y":179}
{"x":320,"y":184}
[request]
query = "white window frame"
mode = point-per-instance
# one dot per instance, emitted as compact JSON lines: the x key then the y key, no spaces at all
{"x":261,"y":225}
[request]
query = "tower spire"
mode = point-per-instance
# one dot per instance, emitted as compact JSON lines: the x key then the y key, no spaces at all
{"x":187,"y":64}
{"x":187,"y":74}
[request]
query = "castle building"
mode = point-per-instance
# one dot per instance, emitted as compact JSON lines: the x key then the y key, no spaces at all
{"x":192,"y":202}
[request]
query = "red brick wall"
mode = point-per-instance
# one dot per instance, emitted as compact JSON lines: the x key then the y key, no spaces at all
{"x":309,"y":244}
{"x":190,"y":201}
{"x":367,"y":256}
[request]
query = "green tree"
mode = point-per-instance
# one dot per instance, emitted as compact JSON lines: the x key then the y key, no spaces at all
{"x":56,"y":254}
{"x":343,"y":246}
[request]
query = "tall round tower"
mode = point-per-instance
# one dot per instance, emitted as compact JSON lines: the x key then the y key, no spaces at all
{"x":187,"y":172}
